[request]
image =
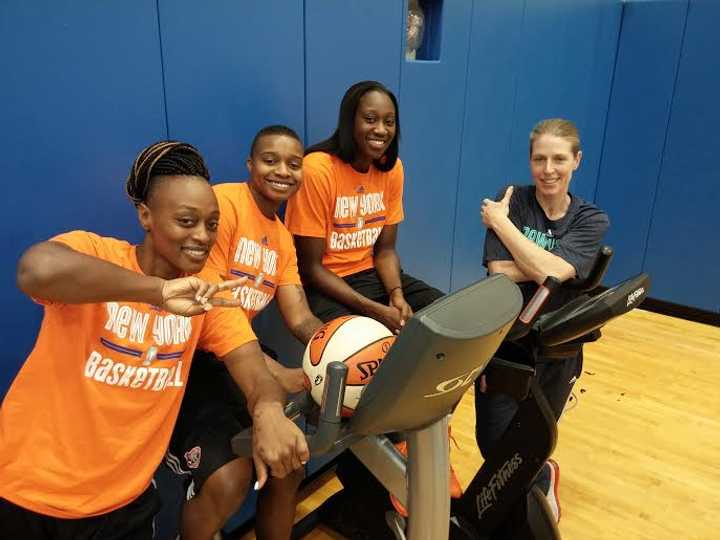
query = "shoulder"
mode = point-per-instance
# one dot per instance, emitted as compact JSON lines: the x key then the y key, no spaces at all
{"x":398,"y":170}
{"x":522,"y":192}
{"x":588,"y":213}
{"x":230,"y":192}
{"x":319,"y":162}
{"x":89,"y":242}
{"x":321,"y":172}
{"x":232,"y":198}
{"x":522,"y":200}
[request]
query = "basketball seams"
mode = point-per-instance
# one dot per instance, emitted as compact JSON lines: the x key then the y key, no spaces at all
{"x":366,"y":346}
{"x":326,"y":340}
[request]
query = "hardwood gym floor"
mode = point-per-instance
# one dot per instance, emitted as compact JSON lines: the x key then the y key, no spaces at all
{"x":639,"y":446}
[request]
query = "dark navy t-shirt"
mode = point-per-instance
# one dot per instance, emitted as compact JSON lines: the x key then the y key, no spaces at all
{"x":576,"y":237}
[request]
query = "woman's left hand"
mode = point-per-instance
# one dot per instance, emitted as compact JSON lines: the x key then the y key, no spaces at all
{"x":492,"y":212}
{"x":397,"y":300}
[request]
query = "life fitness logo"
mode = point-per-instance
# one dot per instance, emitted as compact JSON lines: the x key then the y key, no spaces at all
{"x":456,"y":382}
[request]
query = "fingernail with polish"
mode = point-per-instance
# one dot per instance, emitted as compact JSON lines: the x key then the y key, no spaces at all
{"x":256,"y":486}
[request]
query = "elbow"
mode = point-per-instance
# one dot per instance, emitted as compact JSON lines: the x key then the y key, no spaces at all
{"x":561,"y":274}
{"x":34,"y":269}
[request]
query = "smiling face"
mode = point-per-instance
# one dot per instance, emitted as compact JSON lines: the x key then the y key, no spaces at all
{"x":552,"y":164}
{"x":374,"y":128}
{"x":275,"y":170}
{"x":181,"y":218}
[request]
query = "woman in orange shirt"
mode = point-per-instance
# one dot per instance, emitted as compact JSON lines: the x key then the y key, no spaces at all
{"x":87,"y":419}
{"x":345,"y":219}
{"x":252,"y":242}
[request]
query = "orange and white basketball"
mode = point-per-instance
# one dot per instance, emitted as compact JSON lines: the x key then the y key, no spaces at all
{"x":359,"y":342}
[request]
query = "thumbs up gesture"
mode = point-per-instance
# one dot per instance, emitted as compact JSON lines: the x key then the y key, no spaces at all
{"x":492,"y":212}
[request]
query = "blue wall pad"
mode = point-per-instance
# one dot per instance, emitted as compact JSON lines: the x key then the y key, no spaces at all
{"x":230,"y":69}
{"x":645,"y":73}
{"x":493,"y":61}
{"x":347,"y":42}
{"x":432,"y":102}
{"x":683,"y":254}
{"x":568,"y":49}
{"x":81,"y":95}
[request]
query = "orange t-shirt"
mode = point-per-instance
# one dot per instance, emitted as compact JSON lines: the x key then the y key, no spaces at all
{"x":89,"y":416}
{"x":250,"y":244}
{"x":345,"y":207}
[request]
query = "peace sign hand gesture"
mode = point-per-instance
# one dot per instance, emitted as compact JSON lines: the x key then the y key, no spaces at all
{"x":190,"y":296}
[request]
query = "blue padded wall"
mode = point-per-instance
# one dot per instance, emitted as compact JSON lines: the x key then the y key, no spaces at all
{"x":568,"y":49}
{"x":529,"y":61}
{"x":683,"y":251}
{"x":347,"y":42}
{"x":230,"y":69}
{"x":432,"y":102}
{"x":81,"y":95}
{"x":494,"y":59}
{"x":645,"y":72}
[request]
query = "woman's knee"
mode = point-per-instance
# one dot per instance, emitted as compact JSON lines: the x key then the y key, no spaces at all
{"x":228,"y":486}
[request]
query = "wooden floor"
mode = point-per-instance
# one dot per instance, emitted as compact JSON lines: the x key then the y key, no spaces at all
{"x":639,"y":446}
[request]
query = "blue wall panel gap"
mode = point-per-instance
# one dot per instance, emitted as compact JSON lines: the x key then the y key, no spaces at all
{"x":637,"y":121}
{"x":609,"y":100}
{"x":460,"y":148}
{"x":666,"y":132}
{"x":432,"y":113}
{"x":491,"y":80}
{"x":162,"y":70}
{"x":227,"y":75}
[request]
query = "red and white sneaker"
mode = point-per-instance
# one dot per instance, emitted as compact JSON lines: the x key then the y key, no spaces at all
{"x":552,"y":495}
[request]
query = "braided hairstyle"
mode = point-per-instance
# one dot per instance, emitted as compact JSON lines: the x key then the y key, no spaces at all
{"x":164,"y":158}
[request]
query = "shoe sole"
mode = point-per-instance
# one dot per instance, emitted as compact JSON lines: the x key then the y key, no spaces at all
{"x":554,"y":500}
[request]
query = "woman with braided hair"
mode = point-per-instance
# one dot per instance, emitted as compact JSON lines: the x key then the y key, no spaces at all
{"x":89,"y":416}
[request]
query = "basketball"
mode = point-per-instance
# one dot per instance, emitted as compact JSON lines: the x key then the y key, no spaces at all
{"x":361,"y":343}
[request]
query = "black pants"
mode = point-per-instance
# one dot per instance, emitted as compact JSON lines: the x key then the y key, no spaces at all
{"x":134,"y":521}
{"x":359,"y":513}
{"x":417,"y":293}
{"x":213,"y":410}
{"x":493,"y":412}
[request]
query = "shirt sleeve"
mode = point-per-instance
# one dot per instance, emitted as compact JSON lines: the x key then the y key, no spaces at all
{"x":307,"y":211}
{"x":82,"y":241}
{"x":224,"y":329}
{"x":395,"y":213}
{"x":580,"y":245}
{"x":220,"y":255}
{"x":290,"y":274}
{"x":495,"y":250}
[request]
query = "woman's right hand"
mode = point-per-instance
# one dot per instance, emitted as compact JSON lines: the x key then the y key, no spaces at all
{"x":388,"y":315}
{"x":191,"y":295}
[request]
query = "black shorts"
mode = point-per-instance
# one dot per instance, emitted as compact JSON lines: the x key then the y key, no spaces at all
{"x":417,"y":293}
{"x":135,"y":521}
{"x":212,"y":412}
